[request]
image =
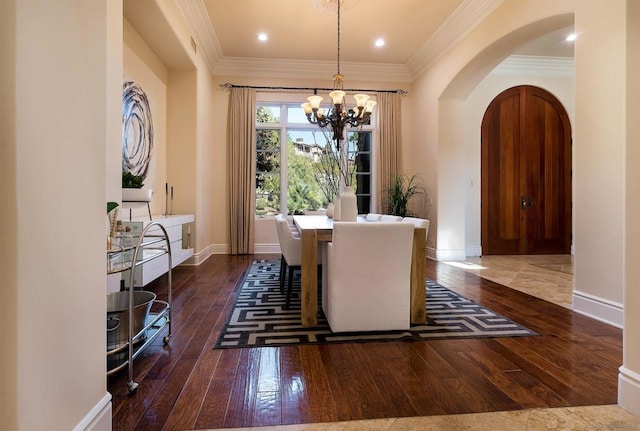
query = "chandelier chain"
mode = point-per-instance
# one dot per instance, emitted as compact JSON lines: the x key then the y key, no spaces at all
{"x":338,"y":37}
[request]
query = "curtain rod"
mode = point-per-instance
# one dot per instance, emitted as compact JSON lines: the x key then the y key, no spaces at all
{"x":257,"y":87}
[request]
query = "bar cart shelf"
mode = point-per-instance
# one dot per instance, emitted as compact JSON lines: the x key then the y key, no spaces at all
{"x":152,"y":243}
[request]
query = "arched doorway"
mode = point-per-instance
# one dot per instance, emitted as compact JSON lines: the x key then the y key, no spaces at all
{"x":526,"y":174}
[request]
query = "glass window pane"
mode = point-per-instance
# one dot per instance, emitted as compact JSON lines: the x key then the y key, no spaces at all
{"x":267,"y":193}
{"x":267,"y":172}
{"x":303,"y":192}
{"x":268,"y":140}
{"x":296,"y":115}
{"x":268,"y":114}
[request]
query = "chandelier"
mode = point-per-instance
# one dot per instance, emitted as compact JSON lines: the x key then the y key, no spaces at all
{"x":338,"y":115}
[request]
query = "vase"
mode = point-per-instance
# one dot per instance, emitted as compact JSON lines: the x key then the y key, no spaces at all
{"x":336,"y":209}
{"x":330,"y":209}
{"x":348,"y":205}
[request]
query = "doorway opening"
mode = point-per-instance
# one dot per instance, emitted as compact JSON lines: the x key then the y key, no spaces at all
{"x":526,"y":174}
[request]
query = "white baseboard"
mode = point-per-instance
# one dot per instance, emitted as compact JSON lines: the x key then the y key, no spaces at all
{"x":199,"y":257}
{"x":99,"y":418}
{"x":266,"y":249}
{"x":598,"y":308}
{"x":221,"y":248}
{"x":473,"y":250}
{"x":455,"y":255}
{"x":629,"y":390}
{"x":431,"y":253}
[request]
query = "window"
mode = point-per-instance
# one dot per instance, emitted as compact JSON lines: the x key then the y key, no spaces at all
{"x":292,"y":162}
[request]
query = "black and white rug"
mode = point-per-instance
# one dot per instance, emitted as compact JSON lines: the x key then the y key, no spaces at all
{"x":259,"y":319}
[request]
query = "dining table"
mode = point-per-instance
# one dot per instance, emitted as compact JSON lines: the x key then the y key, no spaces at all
{"x":315,"y":229}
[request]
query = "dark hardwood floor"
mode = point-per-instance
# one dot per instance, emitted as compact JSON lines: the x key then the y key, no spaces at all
{"x":187,"y":385}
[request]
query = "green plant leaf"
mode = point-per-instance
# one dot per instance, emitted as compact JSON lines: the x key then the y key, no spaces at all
{"x":111,"y":206}
{"x":131,"y":181}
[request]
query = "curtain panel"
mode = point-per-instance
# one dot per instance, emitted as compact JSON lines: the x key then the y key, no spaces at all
{"x":389,"y":159}
{"x":242,"y":169}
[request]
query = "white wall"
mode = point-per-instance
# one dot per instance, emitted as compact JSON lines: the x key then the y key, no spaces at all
{"x":63,"y":114}
{"x":562,"y":87}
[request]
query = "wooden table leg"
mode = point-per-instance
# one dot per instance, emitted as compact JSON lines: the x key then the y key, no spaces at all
{"x":309,"y":289}
{"x":418,"y":277}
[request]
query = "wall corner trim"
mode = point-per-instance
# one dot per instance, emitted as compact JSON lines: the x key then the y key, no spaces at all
{"x":451,"y":254}
{"x":99,"y":418}
{"x":629,"y":390}
{"x":598,"y":308}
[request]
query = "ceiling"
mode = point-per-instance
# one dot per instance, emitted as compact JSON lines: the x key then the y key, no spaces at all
{"x":302,"y":30}
{"x":307,"y":29}
{"x":303,"y":34}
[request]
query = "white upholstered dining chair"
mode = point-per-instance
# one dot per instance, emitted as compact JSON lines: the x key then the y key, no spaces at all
{"x":368,"y":267}
{"x":388,"y":217}
{"x":373,"y":217}
{"x":291,"y":250}
{"x":419,"y":222}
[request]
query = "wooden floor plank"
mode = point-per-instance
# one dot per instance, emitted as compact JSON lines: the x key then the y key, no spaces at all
{"x":187,"y":385}
{"x":319,"y":396}
{"x":294,"y":404}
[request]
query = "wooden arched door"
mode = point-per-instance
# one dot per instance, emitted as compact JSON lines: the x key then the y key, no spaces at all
{"x":526,"y":174}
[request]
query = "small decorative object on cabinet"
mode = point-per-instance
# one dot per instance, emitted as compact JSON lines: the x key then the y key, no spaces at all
{"x":133,"y":192}
{"x":132,"y":323}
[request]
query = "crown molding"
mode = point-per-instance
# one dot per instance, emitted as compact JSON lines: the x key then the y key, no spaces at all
{"x":535,"y":65}
{"x":196,"y":16}
{"x":295,"y":69}
{"x":466,"y":17}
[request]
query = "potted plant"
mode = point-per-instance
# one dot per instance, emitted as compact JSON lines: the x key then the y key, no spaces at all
{"x":132,"y":190}
{"x":401,"y":190}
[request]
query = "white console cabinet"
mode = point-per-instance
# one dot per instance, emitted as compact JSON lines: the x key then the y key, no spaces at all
{"x":179,"y":229}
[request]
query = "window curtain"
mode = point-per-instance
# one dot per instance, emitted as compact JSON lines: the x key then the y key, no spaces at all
{"x":389,"y":159}
{"x":242,"y":169}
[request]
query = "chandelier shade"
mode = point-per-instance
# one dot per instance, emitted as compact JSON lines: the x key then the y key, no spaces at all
{"x":338,"y":116}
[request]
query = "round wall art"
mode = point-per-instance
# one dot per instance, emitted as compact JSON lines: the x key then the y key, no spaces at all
{"x":137,"y":130}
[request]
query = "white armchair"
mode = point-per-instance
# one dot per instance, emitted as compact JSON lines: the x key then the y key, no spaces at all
{"x":368,"y":277}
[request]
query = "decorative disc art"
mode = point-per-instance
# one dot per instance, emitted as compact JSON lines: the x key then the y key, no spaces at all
{"x":137,"y":130}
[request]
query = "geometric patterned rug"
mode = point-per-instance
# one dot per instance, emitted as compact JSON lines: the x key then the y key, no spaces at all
{"x":259,"y":319}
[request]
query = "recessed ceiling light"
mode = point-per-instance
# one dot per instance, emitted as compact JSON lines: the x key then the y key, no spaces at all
{"x":571,"y":37}
{"x":379,"y":42}
{"x":262,"y":37}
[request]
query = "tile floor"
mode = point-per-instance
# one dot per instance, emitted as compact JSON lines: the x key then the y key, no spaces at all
{"x":549,"y":277}
{"x":546,"y":277}
{"x":562,"y":419}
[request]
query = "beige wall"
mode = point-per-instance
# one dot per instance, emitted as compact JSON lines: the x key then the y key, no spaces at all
{"x":599,"y":151}
{"x":182,"y":107}
{"x":599,"y":144}
{"x":629,"y":382}
{"x":8,"y":231}
{"x":142,"y":66}
{"x":54,"y":178}
{"x":439,"y":112}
